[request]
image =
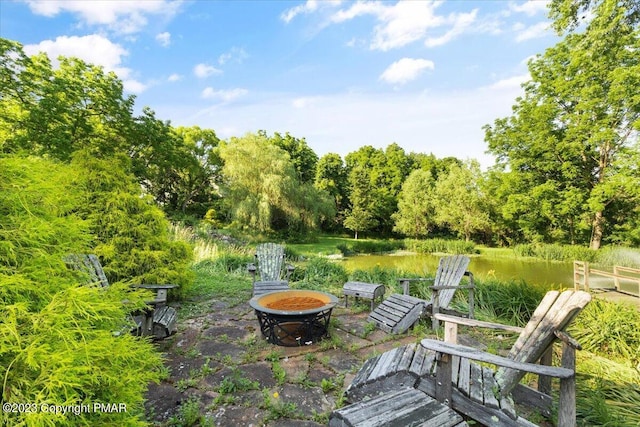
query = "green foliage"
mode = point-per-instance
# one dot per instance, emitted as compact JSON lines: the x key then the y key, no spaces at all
{"x":459,"y":201}
{"x":571,"y":143}
{"x":322,"y":274}
{"x":555,"y":252}
{"x":608,"y":392}
{"x":432,"y":246}
{"x":512,"y":302}
{"x":416,"y":207}
{"x":371,"y":246}
{"x":61,"y":343}
{"x":264,"y":191}
{"x":132,"y":234}
{"x":235,"y":382}
{"x":611,"y":330}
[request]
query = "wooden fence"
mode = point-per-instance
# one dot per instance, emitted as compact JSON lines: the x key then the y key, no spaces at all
{"x":625,"y":275}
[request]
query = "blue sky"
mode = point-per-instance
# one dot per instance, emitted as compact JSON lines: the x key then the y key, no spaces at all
{"x":426,"y":75}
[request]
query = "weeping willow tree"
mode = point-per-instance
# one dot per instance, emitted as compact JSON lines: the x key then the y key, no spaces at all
{"x":61,"y":342}
{"x":263,"y":191}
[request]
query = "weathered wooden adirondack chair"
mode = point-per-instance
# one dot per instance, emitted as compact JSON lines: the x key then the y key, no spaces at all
{"x":399,"y":312}
{"x":447,"y":372}
{"x":269,"y":272}
{"x":159,"y":320}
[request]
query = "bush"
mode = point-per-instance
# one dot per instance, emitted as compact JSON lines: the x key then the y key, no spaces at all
{"x":555,"y":252}
{"x":432,"y":246}
{"x":375,"y":246}
{"x":133,"y":238}
{"x":321,"y":274}
{"x":508,"y":302}
{"x":62,"y":343}
{"x":609,"y":329}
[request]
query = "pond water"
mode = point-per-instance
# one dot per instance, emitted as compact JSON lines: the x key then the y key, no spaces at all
{"x":505,"y":269}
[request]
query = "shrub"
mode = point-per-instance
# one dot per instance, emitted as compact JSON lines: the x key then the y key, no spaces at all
{"x":432,"y":246}
{"x":555,"y":252}
{"x":510,"y":302}
{"x":609,"y":329}
{"x":61,"y":343}
{"x":321,"y":274}
{"x":133,"y":238}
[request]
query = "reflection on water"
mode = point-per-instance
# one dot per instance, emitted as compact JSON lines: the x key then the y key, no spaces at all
{"x":531,"y":271}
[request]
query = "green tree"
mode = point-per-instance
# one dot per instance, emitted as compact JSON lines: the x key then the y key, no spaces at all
{"x":56,"y":112}
{"x":304,"y":159}
{"x":60,"y":340}
{"x":263,"y":191}
{"x":416,"y":210}
{"x":331,"y":177}
{"x":571,"y":135}
{"x":360,"y":217}
{"x":459,"y":201}
{"x":385,"y":171}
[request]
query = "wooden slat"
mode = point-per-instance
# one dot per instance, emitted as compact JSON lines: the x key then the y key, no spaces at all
{"x":405,"y":407}
{"x":464,"y":381}
{"x":475,"y":383}
{"x":474,"y":354}
{"x":489,"y":387}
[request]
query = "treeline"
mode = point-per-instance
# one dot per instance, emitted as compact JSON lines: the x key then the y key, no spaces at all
{"x":562,"y":177}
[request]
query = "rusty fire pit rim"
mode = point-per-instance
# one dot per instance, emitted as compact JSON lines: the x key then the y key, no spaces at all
{"x":333,"y":301}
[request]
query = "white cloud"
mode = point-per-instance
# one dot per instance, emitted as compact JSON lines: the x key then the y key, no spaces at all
{"x":93,"y":49}
{"x":236,"y":54}
{"x":405,"y":70}
{"x":134,"y":86}
{"x":460,"y":24}
{"x":164,"y":39}
{"x":122,"y":16}
{"x":225,"y":95}
{"x":174,"y":77}
{"x":541,"y":29}
{"x":408,"y":21}
{"x":510,"y":83}
{"x":531,"y":7}
{"x":204,"y":70}
{"x":308,"y":7}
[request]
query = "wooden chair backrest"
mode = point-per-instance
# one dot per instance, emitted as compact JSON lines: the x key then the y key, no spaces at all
{"x":450,"y":271}
{"x":89,"y":265}
{"x":269,"y":260}
{"x":554,"y":313}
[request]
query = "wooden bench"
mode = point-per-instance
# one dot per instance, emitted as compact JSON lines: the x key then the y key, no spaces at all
{"x":369,"y":291}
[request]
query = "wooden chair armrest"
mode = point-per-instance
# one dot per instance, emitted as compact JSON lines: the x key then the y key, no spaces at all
{"x":415,"y":279}
{"x":251,"y":268}
{"x":475,"y":354}
{"x":439,"y":288}
{"x":476,"y":323}
{"x":155,"y":286}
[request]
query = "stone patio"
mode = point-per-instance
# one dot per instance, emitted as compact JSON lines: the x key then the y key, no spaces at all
{"x":223,"y":373}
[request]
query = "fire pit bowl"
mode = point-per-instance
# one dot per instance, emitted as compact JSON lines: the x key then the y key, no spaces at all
{"x":294,"y":317}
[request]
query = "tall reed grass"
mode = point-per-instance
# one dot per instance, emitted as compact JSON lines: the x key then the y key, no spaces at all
{"x":610,"y":255}
{"x":431,"y":246}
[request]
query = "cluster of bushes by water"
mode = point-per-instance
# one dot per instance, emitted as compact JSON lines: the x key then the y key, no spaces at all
{"x":427,"y":246}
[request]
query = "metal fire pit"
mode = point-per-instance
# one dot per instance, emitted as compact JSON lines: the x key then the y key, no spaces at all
{"x":285,"y":321}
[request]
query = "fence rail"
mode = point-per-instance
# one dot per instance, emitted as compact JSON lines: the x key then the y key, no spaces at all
{"x":582,"y":273}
